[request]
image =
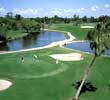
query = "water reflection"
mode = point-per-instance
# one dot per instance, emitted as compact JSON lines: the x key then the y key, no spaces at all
{"x":33,"y":40}
{"x":29,"y":40}
{"x":4,"y":47}
{"x":83,"y":46}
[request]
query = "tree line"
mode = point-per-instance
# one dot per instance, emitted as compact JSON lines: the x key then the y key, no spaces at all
{"x":27,"y":25}
{"x":75,"y":19}
{"x":17,"y":22}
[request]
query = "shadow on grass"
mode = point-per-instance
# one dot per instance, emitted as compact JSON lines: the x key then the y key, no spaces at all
{"x":86,"y":87}
{"x":109,"y":86}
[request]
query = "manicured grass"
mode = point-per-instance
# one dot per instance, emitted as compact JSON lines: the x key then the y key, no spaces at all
{"x":55,"y":87}
{"x":15,"y":34}
{"x":40,"y":79}
{"x":75,"y":30}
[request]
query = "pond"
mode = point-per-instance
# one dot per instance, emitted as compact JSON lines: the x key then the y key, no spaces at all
{"x":83,"y":46}
{"x":33,"y":41}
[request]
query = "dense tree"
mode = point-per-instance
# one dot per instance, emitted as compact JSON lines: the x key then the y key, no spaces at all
{"x":104,"y":18}
{"x":30,"y":25}
{"x":18,"y":17}
{"x":84,"y":19}
{"x":99,"y":41}
{"x":3,"y":27}
{"x":38,"y":19}
{"x":46,"y":20}
{"x":92,"y":19}
{"x":17,"y":22}
{"x":75,"y":18}
{"x":9,"y":15}
{"x":67,"y":20}
{"x":3,"y":31}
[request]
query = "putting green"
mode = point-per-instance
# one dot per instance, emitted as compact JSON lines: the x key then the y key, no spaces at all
{"x":32,"y":68}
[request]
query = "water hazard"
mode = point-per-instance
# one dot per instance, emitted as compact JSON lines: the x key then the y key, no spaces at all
{"x":83,"y":46}
{"x":33,"y":41}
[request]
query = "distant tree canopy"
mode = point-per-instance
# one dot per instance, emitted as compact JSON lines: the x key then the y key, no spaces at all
{"x":18,"y":22}
{"x":104,"y":19}
{"x":29,"y":25}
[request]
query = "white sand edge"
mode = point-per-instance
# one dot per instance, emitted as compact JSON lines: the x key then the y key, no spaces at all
{"x":86,"y":26}
{"x":4,"y":84}
{"x":60,"y":43}
{"x":67,"y":57}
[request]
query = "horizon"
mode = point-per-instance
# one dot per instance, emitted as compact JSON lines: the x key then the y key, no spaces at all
{"x":61,"y":8}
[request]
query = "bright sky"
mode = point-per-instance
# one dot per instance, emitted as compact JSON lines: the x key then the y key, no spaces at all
{"x":63,"y":8}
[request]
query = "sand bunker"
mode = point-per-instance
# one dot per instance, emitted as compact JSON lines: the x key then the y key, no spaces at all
{"x":67,"y":57}
{"x":4,"y":84}
{"x":87,"y":27}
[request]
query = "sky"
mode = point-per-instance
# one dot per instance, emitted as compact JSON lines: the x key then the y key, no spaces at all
{"x":62,"y":8}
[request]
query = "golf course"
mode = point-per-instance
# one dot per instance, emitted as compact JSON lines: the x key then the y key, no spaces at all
{"x":42,"y":78}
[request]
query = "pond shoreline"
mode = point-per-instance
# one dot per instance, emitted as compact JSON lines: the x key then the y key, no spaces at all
{"x":53,"y":44}
{"x":83,"y":46}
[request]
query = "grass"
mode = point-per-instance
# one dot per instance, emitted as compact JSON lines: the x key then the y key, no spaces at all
{"x":28,"y":83}
{"x":15,"y":34}
{"x":55,"y":87}
{"x":76,"y":31}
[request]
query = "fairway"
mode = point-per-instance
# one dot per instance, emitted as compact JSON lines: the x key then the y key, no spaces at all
{"x":32,"y":75}
{"x":42,"y":78}
{"x":76,"y":31}
{"x":31,"y":67}
{"x":54,"y":50}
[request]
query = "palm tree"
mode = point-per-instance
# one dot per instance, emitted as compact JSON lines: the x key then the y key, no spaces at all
{"x":99,"y":41}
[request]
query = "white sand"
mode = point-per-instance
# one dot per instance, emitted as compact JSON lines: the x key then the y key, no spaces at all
{"x":4,"y":84}
{"x":67,"y":57}
{"x":87,"y":27}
